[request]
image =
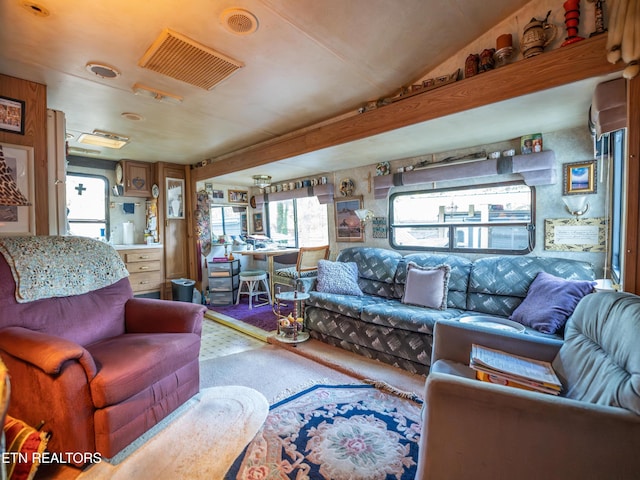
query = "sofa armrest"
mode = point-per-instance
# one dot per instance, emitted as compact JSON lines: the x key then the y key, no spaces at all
{"x":148,"y":315}
{"x":474,"y":429}
{"x":452,"y":340}
{"x":47,"y":352}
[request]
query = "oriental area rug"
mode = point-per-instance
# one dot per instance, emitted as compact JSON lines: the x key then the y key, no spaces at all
{"x":355,"y":432}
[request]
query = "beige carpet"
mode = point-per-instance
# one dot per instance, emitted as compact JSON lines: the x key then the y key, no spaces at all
{"x":201,"y":442}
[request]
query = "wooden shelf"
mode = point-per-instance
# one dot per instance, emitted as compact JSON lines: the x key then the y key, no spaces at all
{"x":562,"y":66}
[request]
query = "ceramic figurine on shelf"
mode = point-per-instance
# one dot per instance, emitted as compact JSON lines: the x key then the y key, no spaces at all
{"x":471,"y":65}
{"x":486,"y":60}
{"x":599,"y":18}
{"x":537,"y":35}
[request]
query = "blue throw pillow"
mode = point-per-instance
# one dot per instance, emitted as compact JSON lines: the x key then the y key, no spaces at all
{"x":550,"y":301}
{"x":338,"y":277}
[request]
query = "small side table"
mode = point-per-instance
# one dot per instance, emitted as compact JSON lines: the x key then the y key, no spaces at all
{"x":298,"y":299}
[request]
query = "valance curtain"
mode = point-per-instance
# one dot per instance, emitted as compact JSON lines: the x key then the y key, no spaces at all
{"x":323,"y":192}
{"x":535,"y":169}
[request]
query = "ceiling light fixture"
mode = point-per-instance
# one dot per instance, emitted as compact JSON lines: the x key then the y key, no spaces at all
{"x":239,"y":21}
{"x":102,"y":70}
{"x":100,"y":138}
{"x":262,"y":181}
{"x":37,"y":10}
{"x":134,"y":117}
{"x":157,"y":95}
{"x":83,"y":151}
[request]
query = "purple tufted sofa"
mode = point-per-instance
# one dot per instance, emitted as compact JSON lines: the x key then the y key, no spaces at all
{"x":99,"y":368}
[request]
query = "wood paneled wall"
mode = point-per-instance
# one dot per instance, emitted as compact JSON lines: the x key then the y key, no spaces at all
{"x":35,"y":135}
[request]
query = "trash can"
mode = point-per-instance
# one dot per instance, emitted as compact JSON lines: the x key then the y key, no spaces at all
{"x":182,"y":289}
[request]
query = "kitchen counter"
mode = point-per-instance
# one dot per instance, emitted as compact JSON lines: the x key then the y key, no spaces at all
{"x":136,"y":246}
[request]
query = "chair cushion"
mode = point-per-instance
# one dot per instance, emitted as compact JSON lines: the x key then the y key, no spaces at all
{"x":291,"y":272}
{"x":24,"y":447}
{"x":338,"y":277}
{"x":132,"y":362}
{"x":427,"y":286}
{"x":599,"y":361}
{"x":550,"y":301}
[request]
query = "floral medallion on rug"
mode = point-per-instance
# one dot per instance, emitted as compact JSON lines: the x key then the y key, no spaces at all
{"x":356,"y":432}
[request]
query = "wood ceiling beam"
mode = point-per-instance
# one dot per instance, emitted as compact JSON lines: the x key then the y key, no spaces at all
{"x":579,"y":61}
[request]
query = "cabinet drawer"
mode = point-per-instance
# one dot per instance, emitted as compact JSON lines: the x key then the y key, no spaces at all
{"x":232,"y":268}
{"x":222,"y":298}
{"x":145,"y":281}
{"x":148,"y":266}
{"x":223,"y":283}
{"x":142,"y":256}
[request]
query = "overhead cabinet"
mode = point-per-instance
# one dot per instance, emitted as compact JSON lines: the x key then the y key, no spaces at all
{"x":135,"y":178}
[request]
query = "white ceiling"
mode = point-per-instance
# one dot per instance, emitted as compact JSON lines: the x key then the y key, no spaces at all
{"x":308,"y":61}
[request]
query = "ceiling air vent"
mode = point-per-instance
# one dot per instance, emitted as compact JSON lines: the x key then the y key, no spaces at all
{"x":179,"y":57}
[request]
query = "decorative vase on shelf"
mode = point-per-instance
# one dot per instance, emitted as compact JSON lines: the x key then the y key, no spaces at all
{"x":571,"y":21}
{"x":537,"y":35}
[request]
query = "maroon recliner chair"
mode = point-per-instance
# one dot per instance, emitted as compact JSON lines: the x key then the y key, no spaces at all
{"x":98,"y":368}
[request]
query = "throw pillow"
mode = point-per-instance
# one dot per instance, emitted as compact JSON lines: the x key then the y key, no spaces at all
{"x":338,"y":277}
{"x":427,"y":286}
{"x":550,"y":301}
{"x":25,"y":446}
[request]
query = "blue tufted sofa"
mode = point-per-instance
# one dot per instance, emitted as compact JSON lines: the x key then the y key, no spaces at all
{"x":378,"y":325}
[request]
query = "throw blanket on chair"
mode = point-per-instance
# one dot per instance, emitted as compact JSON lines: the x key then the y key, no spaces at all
{"x":50,"y":266}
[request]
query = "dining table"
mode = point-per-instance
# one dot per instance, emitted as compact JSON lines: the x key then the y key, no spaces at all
{"x":270,"y":254}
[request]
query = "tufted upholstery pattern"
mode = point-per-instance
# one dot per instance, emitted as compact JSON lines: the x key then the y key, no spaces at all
{"x":376,"y":268}
{"x":497,"y":285}
{"x":378,"y":325}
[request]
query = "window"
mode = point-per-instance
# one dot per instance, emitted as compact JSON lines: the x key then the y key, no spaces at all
{"x":87,"y":213}
{"x":298,"y":222}
{"x":492,"y":219}
{"x":226,"y":221}
{"x":617,"y":206}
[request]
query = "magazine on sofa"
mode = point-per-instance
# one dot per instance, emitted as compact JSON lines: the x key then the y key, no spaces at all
{"x":496,"y":366}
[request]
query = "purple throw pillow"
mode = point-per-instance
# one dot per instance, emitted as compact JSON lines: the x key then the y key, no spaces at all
{"x":550,"y":301}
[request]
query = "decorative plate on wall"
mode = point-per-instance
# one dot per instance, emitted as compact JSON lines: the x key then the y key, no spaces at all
{"x":347,"y":187}
{"x":383,"y":168}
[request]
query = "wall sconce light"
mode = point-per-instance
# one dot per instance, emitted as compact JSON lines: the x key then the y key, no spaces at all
{"x":364,"y":214}
{"x":10,"y":196}
{"x":262,"y":181}
{"x":576,"y":205}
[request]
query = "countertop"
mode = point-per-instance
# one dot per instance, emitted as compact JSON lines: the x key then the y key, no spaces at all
{"x":136,"y":246}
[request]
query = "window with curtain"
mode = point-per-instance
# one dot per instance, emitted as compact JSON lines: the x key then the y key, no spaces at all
{"x":298,"y":222}
{"x":87,"y":205}
{"x":488,"y":219}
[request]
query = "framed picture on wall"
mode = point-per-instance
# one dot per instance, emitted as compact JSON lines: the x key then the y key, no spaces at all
{"x":16,"y":163}
{"x":238,"y":196}
{"x":12,"y":115}
{"x":258,"y":225}
{"x":175,"y":198}
{"x":348,"y":226}
{"x":579,"y":178}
